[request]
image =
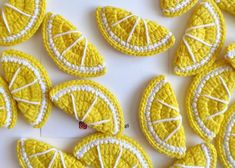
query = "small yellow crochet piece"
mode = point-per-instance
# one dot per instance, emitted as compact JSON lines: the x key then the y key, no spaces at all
{"x":208,"y":98}
{"x":200,"y":156}
{"x":101,"y":151}
{"x":69,"y":49}
{"x":91,"y":104}
{"x":202,"y":41}
{"x":230,"y":54}
{"x":131,"y":34}
{"x":160,"y":119}
{"x":227,"y":5}
{"x":29,"y":85}
{"x":32,"y":153}
{"x":20,"y":20}
{"x":8,"y":107}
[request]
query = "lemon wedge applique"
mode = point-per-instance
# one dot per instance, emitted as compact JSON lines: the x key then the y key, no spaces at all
{"x":20,"y":20}
{"x":227,"y":5}
{"x":131,"y":34}
{"x":33,"y":153}
{"x":230,"y":54}
{"x":29,"y":85}
{"x":70,"y":50}
{"x":100,"y":150}
{"x":202,"y":41}
{"x":91,"y":104}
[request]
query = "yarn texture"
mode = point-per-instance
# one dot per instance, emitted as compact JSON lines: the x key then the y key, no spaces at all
{"x":230,"y":54}
{"x":227,"y":5}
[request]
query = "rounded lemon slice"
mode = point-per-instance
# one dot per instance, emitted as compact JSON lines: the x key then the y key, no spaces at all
{"x":32,"y":153}
{"x":227,"y":5}
{"x":70,"y":50}
{"x":202,"y":41}
{"x":100,"y":150}
{"x":90,"y":103}
{"x":20,"y":20}
{"x":230,"y":54}
{"x":131,"y":34}
{"x":29,"y":84}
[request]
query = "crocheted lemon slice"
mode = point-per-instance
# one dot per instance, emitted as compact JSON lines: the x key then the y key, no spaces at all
{"x":160,"y":119}
{"x":208,"y":98}
{"x":70,"y":50}
{"x":90,"y":103}
{"x":29,"y":84}
{"x":202,"y":41}
{"x":131,"y":34}
{"x":100,"y":150}
{"x":230,"y":54}
{"x":8,"y":108}
{"x":20,"y":20}
{"x":227,"y":5}
{"x":199,"y":156}
{"x":32,"y":153}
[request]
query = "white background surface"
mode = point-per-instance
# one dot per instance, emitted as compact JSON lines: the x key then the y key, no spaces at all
{"x":126,"y":77}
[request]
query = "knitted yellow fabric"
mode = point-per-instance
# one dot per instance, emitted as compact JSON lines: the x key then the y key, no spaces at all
{"x":29,"y":84}
{"x":202,"y":41}
{"x":35,"y":154}
{"x":131,"y":34}
{"x":90,"y":103}
{"x":8,"y":109}
{"x":230,"y":54}
{"x":227,"y":5}
{"x":208,"y":97}
{"x":20,"y":20}
{"x":70,"y":50}
{"x":199,"y":156}
{"x":104,"y":151}
{"x":160,"y":119}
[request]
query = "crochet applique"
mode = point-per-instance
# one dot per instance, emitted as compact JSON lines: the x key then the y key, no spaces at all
{"x":230,"y":54}
{"x":202,"y":41}
{"x":32,"y":153}
{"x":208,"y":97}
{"x":227,"y":5}
{"x":20,"y":20}
{"x":160,"y":119}
{"x":69,"y":49}
{"x":131,"y":34}
{"x":29,"y":84}
{"x":90,"y":103}
{"x":100,"y":150}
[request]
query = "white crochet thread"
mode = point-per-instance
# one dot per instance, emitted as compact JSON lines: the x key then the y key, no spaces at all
{"x":178,"y":7}
{"x":7,"y":108}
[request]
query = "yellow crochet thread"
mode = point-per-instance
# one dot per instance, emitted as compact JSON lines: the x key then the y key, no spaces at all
{"x":202,"y":41}
{"x":160,"y":119}
{"x":104,"y":151}
{"x":29,"y":84}
{"x":230,"y":54}
{"x":20,"y":20}
{"x":69,"y":49}
{"x":32,"y":153}
{"x":90,"y":103}
{"x":207,"y":100}
{"x":199,"y":156}
{"x":227,"y":5}
{"x":131,"y":34}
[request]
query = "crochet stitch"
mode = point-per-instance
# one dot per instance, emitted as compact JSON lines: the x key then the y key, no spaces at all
{"x":227,"y":5}
{"x":230,"y":54}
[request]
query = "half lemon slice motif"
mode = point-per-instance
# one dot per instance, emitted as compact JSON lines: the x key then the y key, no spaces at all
{"x":131,"y":34}
{"x":160,"y":119}
{"x":29,"y":84}
{"x":70,"y":50}
{"x":227,"y":5}
{"x":230,"y":54}
{"x":100,"y":150}
{"x":202,"y":41}
{"x":90,"y":103}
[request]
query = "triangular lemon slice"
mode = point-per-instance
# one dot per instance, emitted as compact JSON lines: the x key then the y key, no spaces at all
{"x":131,"y":34}
{"x":70,"y":50}
{"x":19,"y":20}
{"x":33,"y":153}
{"x":208,"y":97}
{"x":103,"y":151}
{"x":230,"y":54}
{"x":202,"y":41}
{"x":160,"y":119}
{"x":29,"y":84}
{"x":91,"y":104}
{"x":227,"y":5}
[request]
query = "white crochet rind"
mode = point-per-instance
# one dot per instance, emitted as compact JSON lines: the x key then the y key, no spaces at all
{"x":178,"y":7}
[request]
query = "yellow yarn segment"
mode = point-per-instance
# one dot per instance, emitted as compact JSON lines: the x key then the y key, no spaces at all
{"x":230,"y":54}
{"x":90,"y":103}
{"x":69,"y":49}
{"x":34,"y":153}
{"x":131,"y":34}
{"x":29,"y":85}
{"x":160,"y":119}
{"x":227,"y":5}
{"x":99,"y":150}
{"x":20,"y":20}
{"x":202,"y":41}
